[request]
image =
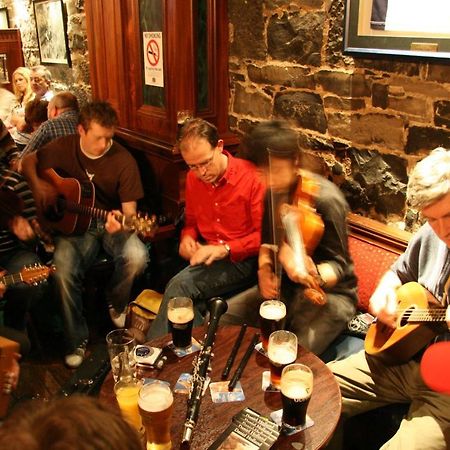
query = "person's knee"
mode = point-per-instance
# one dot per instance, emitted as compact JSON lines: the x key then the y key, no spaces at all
{"x":179,"y":285}
{"x":137,"y":259}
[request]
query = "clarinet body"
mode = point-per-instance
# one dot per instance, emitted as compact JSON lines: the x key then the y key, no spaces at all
{"x":217,"y":307}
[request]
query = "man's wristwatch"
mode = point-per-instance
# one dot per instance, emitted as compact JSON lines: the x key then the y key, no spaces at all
{"x":227,"y":248}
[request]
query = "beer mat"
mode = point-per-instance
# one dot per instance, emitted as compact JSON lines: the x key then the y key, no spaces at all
{"x":287,"y":430}
{"x":183,"y":384}
{"x":180,"y":352}
{"x":146,"y":355}
{"x":265,"y":385}
{"x":153,"y":380}
{"x":221,"y":394}
{"x":259,"y":348}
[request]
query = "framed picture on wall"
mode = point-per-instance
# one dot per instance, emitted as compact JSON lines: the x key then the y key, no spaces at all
{"x":51,"y":28}
{"x":4,"y":19}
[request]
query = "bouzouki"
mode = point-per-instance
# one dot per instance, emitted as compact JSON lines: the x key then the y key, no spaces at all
{"x":30,"y":275}
{"x":419,"y":321}
{"x":74,"y":208}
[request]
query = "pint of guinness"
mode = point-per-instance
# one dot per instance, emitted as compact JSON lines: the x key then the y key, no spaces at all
{"x":155,"y":407}
{"x":296,"y":388}
{"x":272,"y":318}
{"x":180,"y":314}
{"x":282,"y":350}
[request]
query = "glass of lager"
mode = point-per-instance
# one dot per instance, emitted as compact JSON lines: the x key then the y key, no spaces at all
{"x":121,"y":353}
{"x":155,"y":406}
{"x":180,"y":315}
{"x":296,"y":390}
{"x":272,"y":315}
{"x":127,"y":393}
{"x":282,"y":350}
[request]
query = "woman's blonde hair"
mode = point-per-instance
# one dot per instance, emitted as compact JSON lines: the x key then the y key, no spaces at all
{"x":28,"y":94}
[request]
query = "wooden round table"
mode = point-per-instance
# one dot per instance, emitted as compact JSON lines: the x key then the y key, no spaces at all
{"x":324,"y":407}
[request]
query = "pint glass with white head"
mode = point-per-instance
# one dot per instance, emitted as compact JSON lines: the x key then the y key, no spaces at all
{"x":282,"y":350}
{"x":272,"y":318}
{"x":180,"y":315}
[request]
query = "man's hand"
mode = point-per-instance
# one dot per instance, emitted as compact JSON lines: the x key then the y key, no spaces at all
{"x":383,"y":305}
{"x":112,"y":225}
{"x":20,"y":227}
{"x":287,"y":259}
{"x":207,"y":254}
{"x":188,"y":247}
{"x":267,"y":282}
{"x":44,"y":194}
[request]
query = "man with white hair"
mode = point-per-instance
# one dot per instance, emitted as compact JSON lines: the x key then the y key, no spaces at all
{"x":366,"y":382}
{"x":41,"y":80}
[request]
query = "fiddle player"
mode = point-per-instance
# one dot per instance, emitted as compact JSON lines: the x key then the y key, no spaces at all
{"x":221,"y":234}
{"x":366,"y":382}
{"x":321,"y":300}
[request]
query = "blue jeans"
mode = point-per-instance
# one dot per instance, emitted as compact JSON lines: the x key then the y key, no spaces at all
{"x":75,"y":254}
{"x":20,"y":297}
{"x":201,"y":283}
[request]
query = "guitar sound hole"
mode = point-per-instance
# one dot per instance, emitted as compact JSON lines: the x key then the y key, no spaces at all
{"x":55,"y":213}
{"x":406,"y":316}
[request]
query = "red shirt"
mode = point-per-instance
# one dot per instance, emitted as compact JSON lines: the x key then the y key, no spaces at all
{"x":228,"y":213}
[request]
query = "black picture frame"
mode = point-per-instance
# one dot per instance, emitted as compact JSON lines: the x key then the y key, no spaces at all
{"x":4,"y":18}
{"x":51,"y":30}
{"x":385,"y":44}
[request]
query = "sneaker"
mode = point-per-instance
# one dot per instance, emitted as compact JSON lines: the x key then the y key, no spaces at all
{"x":118,"y":319}
{"x":74,"y":359}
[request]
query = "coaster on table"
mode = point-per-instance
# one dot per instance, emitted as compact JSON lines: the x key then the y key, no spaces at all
{"x":259,"y":348}
{"x":276,"y":416}
{"x":180,"y":352}
{"x":265,"y":385}
{"x":221,"y":394}
{"x":183,"y":384}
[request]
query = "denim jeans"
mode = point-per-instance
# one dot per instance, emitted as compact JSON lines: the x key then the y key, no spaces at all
{"x":201,"y":283}
{"x":20,"y":297}
{"x":73,"y":257}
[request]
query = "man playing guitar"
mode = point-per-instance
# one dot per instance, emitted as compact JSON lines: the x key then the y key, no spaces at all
{"x":367,"y":381}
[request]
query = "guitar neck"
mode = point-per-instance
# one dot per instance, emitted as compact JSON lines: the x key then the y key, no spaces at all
{"x":91,"y":211}
{"x":425,"y":315}
{"x":9,"y":280}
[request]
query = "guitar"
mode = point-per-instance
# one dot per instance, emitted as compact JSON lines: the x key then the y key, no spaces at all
{"x":74,"y":208}
{"x":29,"y":275}
{"x":417,"y":325}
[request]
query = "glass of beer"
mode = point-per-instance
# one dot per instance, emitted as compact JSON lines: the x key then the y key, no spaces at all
{"x":127,"y":393}
{"x":272,"y":315}
{"x":296,"y":389}
{"x":180,"y":315}
{"x":155,"y":406}
{"x":121,"y":353}
{"x":282,"y":350}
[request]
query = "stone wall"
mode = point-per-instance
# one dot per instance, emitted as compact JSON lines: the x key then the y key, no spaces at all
{"x":74,"y":78}
{"x":364,"y":122}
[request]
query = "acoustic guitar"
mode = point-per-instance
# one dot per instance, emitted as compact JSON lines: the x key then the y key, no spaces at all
{"x":30,"y":275}
{"x":74,"y":208}
{"x":417,"y":325}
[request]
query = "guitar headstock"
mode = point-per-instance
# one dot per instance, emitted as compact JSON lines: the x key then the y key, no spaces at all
{"x":146,"y":227}
{"x":36,"y":274}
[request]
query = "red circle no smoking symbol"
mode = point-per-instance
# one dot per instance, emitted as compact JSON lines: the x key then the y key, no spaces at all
{"x":152,"y":52}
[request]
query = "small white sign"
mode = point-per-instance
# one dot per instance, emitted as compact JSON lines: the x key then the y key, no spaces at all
{"x":153,"y":58}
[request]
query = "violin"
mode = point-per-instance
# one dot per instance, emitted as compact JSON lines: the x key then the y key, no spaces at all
{"x":304,"y":229}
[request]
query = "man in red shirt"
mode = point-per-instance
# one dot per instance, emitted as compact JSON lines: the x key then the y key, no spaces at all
{"x":222,"y":230}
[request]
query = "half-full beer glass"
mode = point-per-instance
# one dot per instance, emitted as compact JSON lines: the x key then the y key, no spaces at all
{"x":296,"y":389}
{"x":155,"y":406}
{"x":282,"y":350}
{"x":272,"y":315}
{"x":127,"y":393}
{"x":180,"y":315}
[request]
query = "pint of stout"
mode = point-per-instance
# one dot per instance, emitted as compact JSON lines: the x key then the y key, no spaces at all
{"x":155,"y":407}
{"x":296,"y":389}
{"x":272,"y":317}
{"x":282,"y":350}
{"x":180,"y":314}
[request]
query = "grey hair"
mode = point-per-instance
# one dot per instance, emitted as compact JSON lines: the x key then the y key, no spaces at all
{"x":42,"y":71}
{"x":430,"y":179}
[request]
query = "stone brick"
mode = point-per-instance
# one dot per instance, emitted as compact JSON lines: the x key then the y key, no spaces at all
{"x":368,"y":129}
{"x":442,"y":113}
{"x":380,"y":95}
{"x":248,"y":29}
{"x":389,"y":65}
{"x":415,"y":106}
{"x":296,"y":37}
{"x":438,"y":72}
{"x":416,"y":86}
{"x":234,"y":76}
{"x":343,"y":104}
{"x":303,"y":108}
{"x":252,"y":103}
{"x":334,"y":44}
{"x":426,"y":138}
{"x":313,"y":142}
{"x":342,"y":83}
{"x":297,"y":77}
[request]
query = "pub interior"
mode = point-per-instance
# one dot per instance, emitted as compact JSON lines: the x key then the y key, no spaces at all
{"x":364,"y":109}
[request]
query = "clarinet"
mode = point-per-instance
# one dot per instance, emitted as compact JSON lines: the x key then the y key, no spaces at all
{"x":217,"y":307}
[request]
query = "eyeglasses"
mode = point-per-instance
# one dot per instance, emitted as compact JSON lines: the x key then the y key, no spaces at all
{"x":203,"y":165}
{"x":37,"y":79}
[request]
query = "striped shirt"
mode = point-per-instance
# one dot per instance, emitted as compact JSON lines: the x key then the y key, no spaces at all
{"x":14,"y":182}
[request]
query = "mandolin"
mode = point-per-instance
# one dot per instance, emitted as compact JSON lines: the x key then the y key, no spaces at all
{"x":419,"y":321}
{"x":30,"y":275}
